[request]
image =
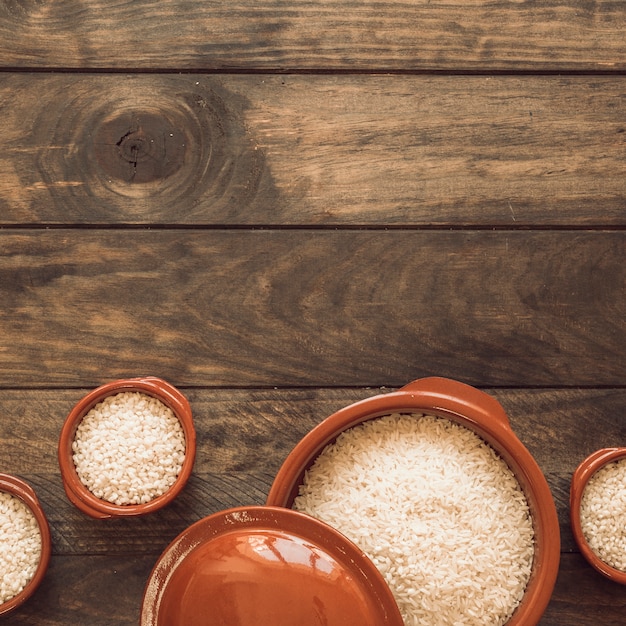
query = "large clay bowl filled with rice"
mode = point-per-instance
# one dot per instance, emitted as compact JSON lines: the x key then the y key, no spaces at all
{"x":127,"y":448}
{"x":598,"y":511}
{"x":433,"y":485}
{"x":25,"y":544}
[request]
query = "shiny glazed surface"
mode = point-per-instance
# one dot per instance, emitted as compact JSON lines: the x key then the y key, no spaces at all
{"x":580,"y":478}
{"x":264,"y":565}
{"x":77,"y":493}
{"x":476,"y":410}
{"x":17,"y":487}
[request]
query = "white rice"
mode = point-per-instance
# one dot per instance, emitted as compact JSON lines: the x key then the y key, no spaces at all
{"x":20,"y":546}
{"x":603,"y":513}
{"x":438,"y":511}
{"x":129,"y":449}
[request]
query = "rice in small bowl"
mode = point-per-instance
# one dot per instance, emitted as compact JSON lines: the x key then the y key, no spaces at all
{"x":598,"y":511}
{"x":127,"y":448}
{"x":433,"y":485}
{"x":25,"y":544}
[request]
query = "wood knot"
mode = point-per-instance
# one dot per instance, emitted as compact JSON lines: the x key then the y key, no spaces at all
{"x":151,"y":149}
{"x":140,"y":147}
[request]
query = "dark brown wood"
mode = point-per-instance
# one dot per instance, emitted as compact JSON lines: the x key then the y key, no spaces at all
{"x":278,"y":35}
{"x":313,"y":150}
{"x":583,"y":597}
{"x":558,"y":426}
{"x":285,"y":207}
{"x":305,"y":307}
{"x":139,"y":147}
{"x":89,"y":590}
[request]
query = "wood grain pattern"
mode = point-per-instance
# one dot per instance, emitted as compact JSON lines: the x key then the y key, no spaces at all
{"x":277,"y":35}
{"x":255,"y":308}
{"x":92,"y":590}
{"x":313,"y":150}
{"x":582,"y":597}
{"x":558,"y":426}
{"x":284,"y":207}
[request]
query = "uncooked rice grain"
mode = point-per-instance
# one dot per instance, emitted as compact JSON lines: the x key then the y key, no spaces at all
{"x":129,"y":448}
{"x":20,"y":546}
{"x":438,"y":511}
{"x":603,"y":513}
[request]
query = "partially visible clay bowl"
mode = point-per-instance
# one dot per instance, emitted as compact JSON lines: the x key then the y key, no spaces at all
{"x":477,"y":411}
{"x":580,"y":478}
{"x":259,"y":565}
{"x":17,"y":487}
{"x":78,"y":493}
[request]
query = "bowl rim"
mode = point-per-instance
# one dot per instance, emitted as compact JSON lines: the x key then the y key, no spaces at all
{"x":483,"y":414}
{"x":22,"y":490}
{"x":580,"y":478}
{"x":78,"y":493}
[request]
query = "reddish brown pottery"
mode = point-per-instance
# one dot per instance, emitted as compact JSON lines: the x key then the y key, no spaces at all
{"x":262,"y":565}
{"x":78,"y":493}
{"x":580,"y":478}
{"x":473,"y":409}
{"x":17,"y":487}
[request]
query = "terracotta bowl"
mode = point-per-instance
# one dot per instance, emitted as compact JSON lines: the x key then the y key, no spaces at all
{"x":78,"y":493}
{"x":580,"y":478}
{"x":266,"y":565}
{"x":17,"y":487}
{"x":482,"y":414}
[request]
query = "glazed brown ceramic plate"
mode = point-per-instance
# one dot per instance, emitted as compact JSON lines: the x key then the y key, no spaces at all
{"x":265,"y":565}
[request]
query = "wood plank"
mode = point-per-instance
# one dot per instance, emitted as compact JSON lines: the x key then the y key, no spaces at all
{"x":238,"y":469}
{"x":100,"y":591}
{"x":91,"y":591}
{"x":299,"y":150}
{"x":583,"y":597}
{"x":306,"y":308}
{"x":283,"y":208}
{"x":278,"y":35}
{"x":558,"y":426}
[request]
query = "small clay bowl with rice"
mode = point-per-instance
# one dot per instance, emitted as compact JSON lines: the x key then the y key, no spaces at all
{"x":127,"y":448}
{"x":29,"y":550}
{"x":597,"y":510}
{"x":451,"y":406}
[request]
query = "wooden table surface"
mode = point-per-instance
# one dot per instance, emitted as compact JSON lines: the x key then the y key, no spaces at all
{"x":285,"y":207}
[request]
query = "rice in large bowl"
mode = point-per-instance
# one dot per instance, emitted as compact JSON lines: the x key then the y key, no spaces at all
{"x":432,"y":484}
{"x":437,"y":510}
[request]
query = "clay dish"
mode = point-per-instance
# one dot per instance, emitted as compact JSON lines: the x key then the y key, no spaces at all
{"x":17,"y":487}
{"x":477,"y":411}
{"x":266,"y":565}
{"x":587,"y":468}
{"x":78,"y":493}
